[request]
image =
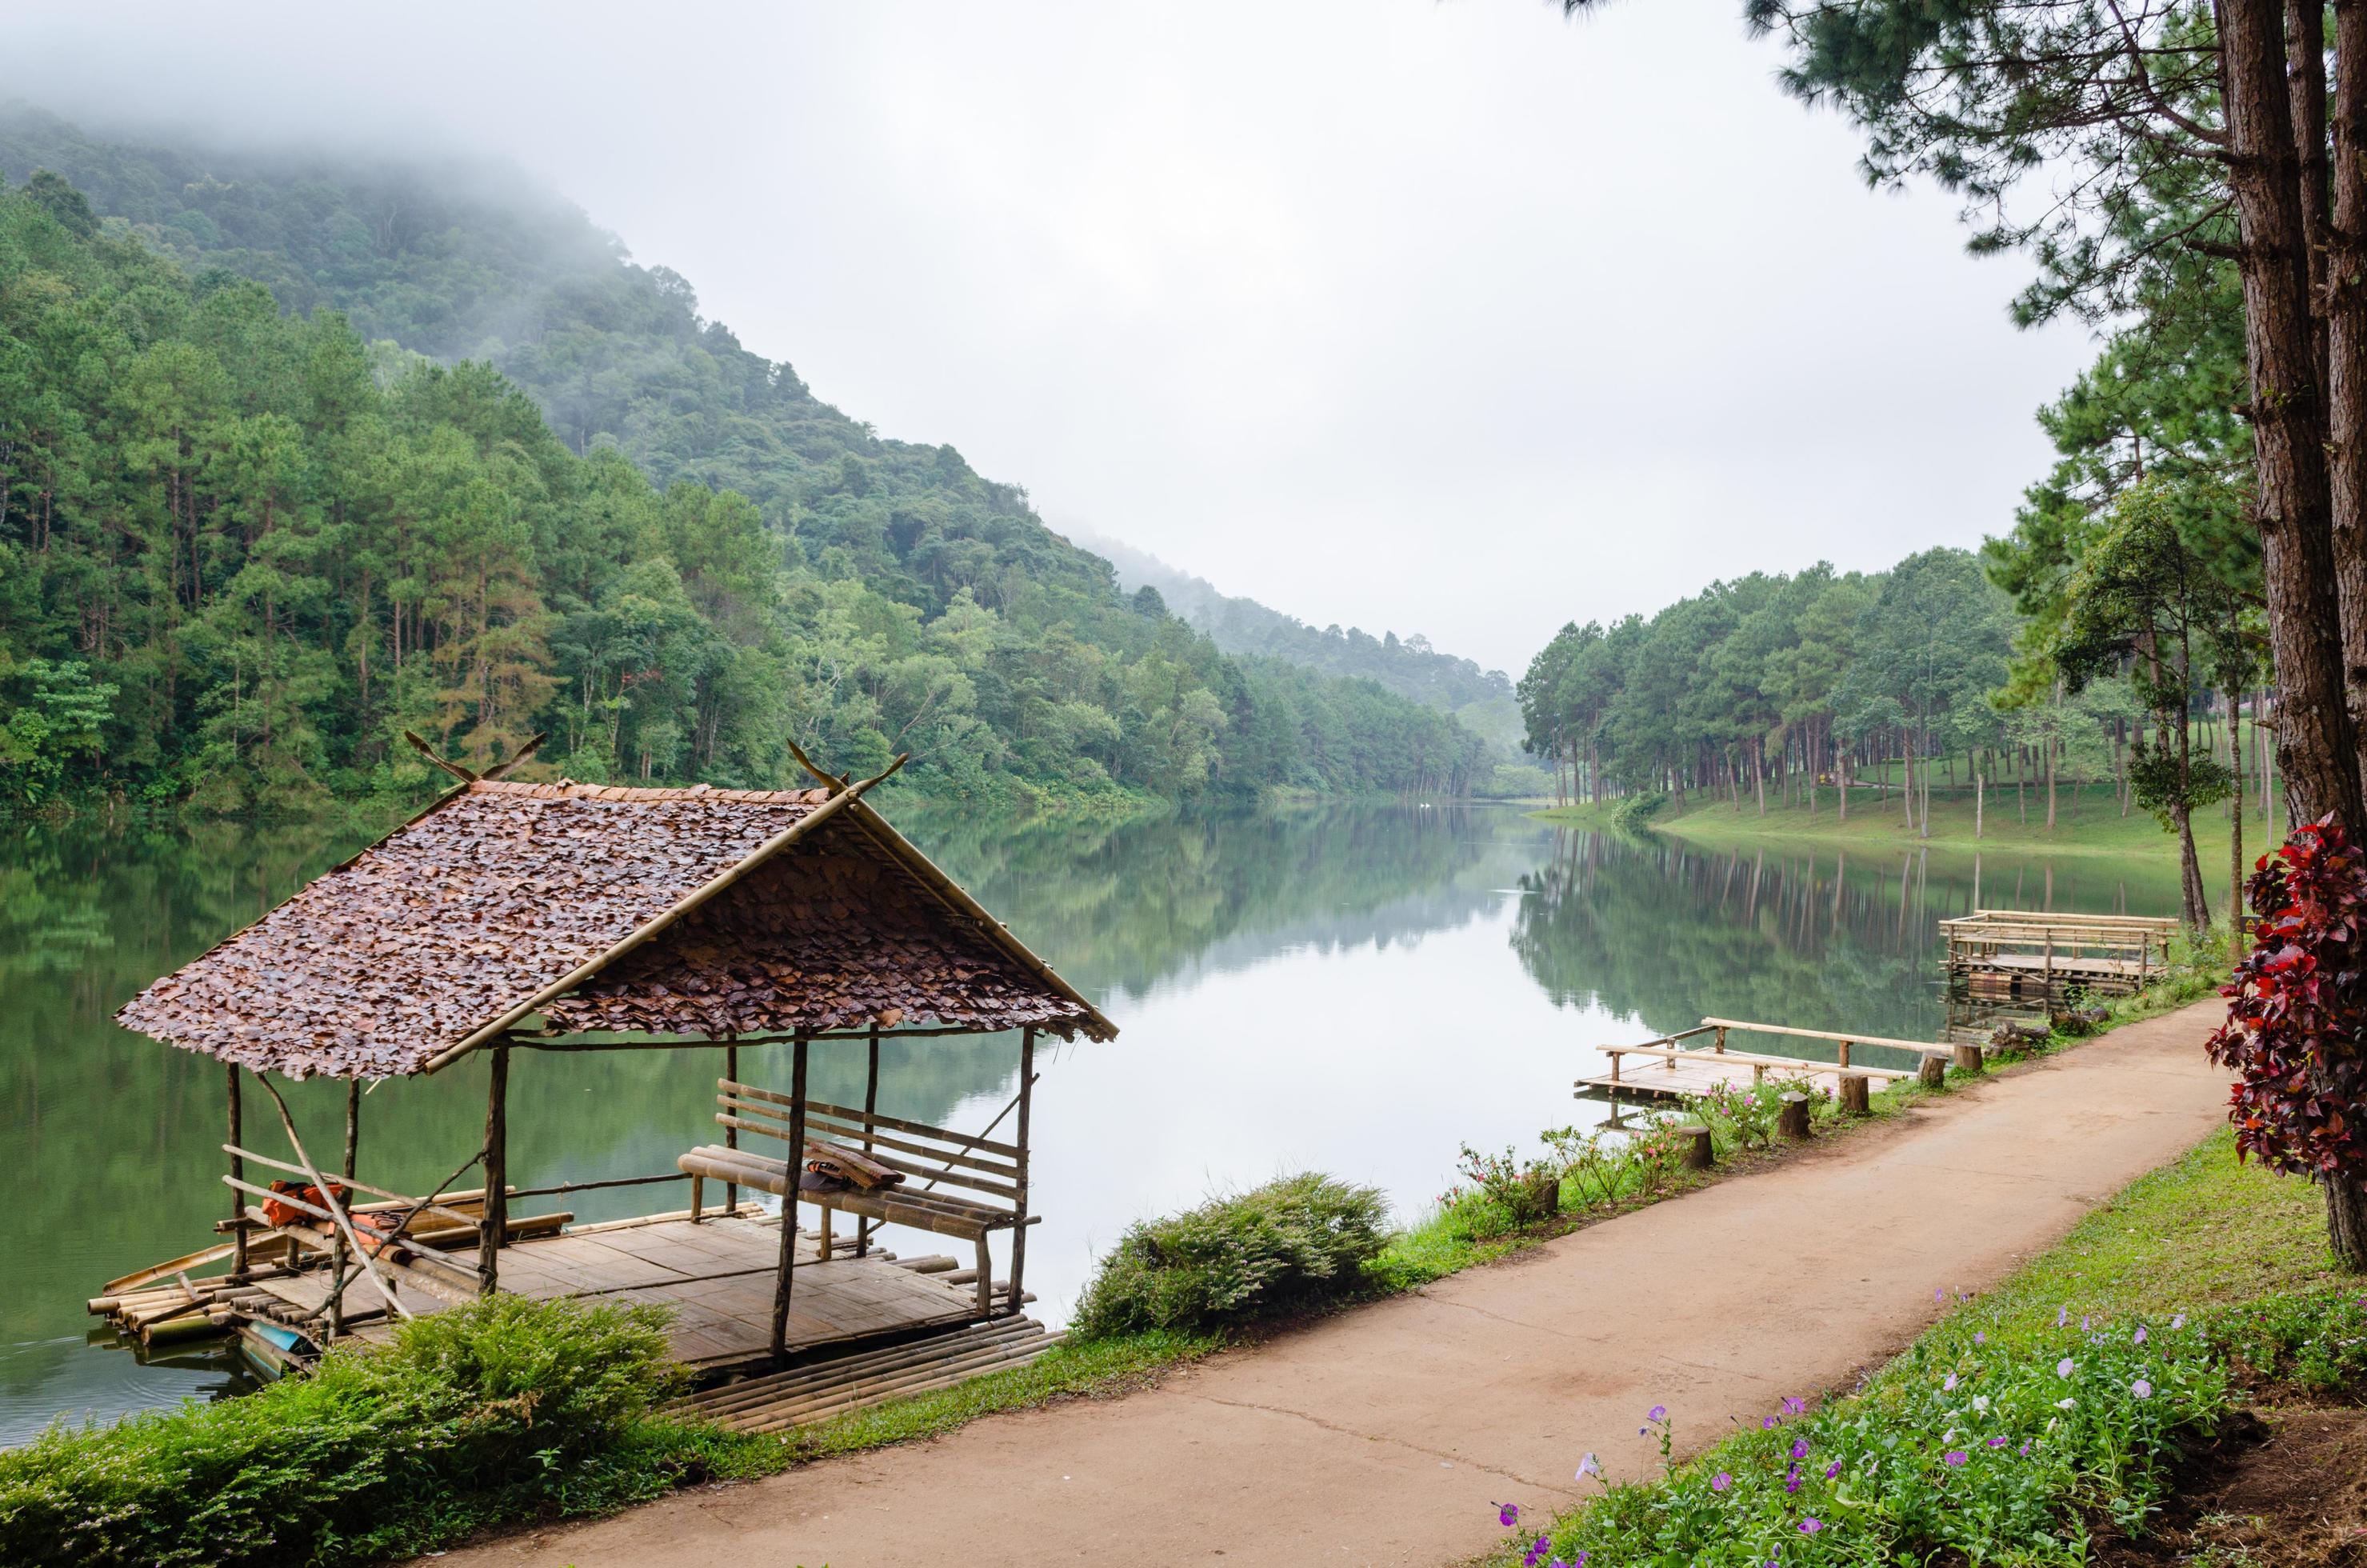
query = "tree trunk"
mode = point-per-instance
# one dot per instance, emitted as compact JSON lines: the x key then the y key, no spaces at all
{"x":1759,"y":773}
{"x":2292,"y":503}
{"x":2236,"y":821}
{"x":2344,"y":293}
{"x":2050,"y":782}
{"x":2346,"y":1220}
{"x":1981,"y":800}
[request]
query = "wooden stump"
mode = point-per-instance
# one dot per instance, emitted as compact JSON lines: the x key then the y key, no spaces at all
{"x":1791,"y":1121}
{"x":1855,"y":1087}
{"x":1968,"y":1059}
{"x":1934,"y":1072}
{"x":1700,"y":1154}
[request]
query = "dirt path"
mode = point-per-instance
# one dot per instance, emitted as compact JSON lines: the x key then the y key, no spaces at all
{"x":1382,"y":1436}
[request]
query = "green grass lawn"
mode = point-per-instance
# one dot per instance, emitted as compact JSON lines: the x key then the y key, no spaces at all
{"x":2088,"y":822}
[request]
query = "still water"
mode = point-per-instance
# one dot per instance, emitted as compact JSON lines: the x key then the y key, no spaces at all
{"x":1357,"y":990}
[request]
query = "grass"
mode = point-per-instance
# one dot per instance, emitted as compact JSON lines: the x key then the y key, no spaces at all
{"x":2225,"y":1268}
{"x":2088,"y":822}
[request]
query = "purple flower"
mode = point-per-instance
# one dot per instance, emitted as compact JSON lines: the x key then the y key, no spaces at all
{"x":1811,"y":1525}
{"x":1588,"y":1466}
{"x":1767,"y":1424}
{"x":2024,"y":1450}
{"x":1508,"y":1514}
{"x":2141,"y":1333}
{"x":1792,"y":1479}
{"x":2064,"y":1367}
{"x":1577,"y":1561}
{"x":1833,"y":1469}
{"x":1658,"y":1413}
{"x":1980,"y":1337}
{"x":1939,"y":1295}
{"x":1537,"y":1552}
{"x":1800,"y":1447}
{"x":1950,"y":1385}
{"x":1955,"y":1456}
{"x":1997,"y":1442}
{"x":2142,"y":1389}
{"x":2061,"y":1316}
{"x":2177,"y":1322}
{"x":2083,"y":1322}
{"x":1720,"y":1481}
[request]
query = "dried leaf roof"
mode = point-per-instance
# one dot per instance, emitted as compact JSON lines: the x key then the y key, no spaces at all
{"x":504,"y":889}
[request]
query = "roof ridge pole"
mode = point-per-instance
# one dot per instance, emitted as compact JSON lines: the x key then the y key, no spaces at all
{"x":789,"y":1206}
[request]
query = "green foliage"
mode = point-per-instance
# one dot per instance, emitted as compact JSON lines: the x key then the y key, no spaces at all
{"x":286,"y":538}
{"x":502,"y":1409}
{"x":1634,"y":811}
{"x":1293,"y":1243}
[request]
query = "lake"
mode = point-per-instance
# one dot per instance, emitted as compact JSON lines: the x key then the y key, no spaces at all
{"x":1354,"y":989}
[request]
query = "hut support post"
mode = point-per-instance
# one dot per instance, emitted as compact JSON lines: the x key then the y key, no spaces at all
{"x":730,"y":1135}
{"x":1019,"y":1231}
{"x":789,"y":1206}
{"x":337,"y":1248}
{"x":494,"y":1227}
{"x":237,"y":1173}
{"x":870,"y":1110}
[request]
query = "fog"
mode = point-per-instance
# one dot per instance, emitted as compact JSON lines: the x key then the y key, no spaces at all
{"x":1453,"y":318}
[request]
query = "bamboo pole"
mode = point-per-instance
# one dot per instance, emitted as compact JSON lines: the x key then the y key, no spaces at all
{"x":490,"y":1233}
{"x":1019,"y":1205}
{"x":336,"y":1303}
{"x":238,"y":1169}
{"x":787,"y":1267}
{"x":661,"y":921}
{"x":731,"y":1130}
{"x":870,"y":1110}
{"x":330,"y":1199}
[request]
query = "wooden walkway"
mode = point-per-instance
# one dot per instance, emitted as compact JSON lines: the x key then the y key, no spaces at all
{"x":2009,"y":952}
{"x":1665,"y":1069}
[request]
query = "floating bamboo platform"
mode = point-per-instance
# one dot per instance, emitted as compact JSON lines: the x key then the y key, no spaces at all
{"x":1668,"y":1068}
{"x":2003,"y":953}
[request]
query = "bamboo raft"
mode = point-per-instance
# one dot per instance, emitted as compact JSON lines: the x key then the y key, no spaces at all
{"x":2004,"y":953}
{"x":1690,"y":1072}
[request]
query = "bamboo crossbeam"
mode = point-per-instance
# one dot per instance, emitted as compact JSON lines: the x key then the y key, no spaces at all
{"x":1822,"y":1034}
{"x":567,"y":1186}
{"x":329,"y":1196}
{"x":1748,"y":1059}
{"x":393,"y":1198}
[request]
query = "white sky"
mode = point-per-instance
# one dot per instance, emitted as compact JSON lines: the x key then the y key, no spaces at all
{"x":1444,"y":317}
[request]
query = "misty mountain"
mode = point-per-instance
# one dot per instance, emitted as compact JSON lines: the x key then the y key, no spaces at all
{"x":917,"y":605}
{"x":1481,"y":700}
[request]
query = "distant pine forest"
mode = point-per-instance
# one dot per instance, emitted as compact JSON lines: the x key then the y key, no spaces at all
{"x":297,"y":457}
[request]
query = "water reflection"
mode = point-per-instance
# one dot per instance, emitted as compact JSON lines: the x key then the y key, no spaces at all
{"x":1357,"y":989}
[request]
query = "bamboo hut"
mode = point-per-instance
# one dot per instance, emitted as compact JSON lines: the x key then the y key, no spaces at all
{"x":735,"y":927}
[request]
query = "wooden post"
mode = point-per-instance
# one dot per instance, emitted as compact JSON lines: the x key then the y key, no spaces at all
{"x":870,"y":1110}
{"x":494,"y":1228}
{"x":1845,"y":1045}
{"x":337,"y":1248}
{"x":1019,"y":1231}
{"x":730,"y":1136}
{"x":238,"y":1173}
{"x":1855,"y":1087}
{"x":1699,"y":1153}
{"x":1791,"y":1121}
{"x":1721,"y":1037}
{"x":789,"y":1206}
{"x":1934,"y":1072}
{"x":2050,"y":963}
{"x":1968,"y":1059}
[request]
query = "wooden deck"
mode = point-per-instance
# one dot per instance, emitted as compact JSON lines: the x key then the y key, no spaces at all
{"x":1667,"y":1068}
{"x":2004,"y":952}
{"x":717,"y":1276}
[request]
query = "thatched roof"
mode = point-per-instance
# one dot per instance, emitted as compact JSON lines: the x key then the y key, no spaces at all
{"x":426,"y":941}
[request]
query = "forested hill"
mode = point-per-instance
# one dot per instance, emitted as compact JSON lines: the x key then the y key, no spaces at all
{"x":1482,"y":698}
{"x":781,"y":573}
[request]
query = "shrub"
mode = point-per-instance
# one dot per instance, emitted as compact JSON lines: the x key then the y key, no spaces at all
{"x":494,"y":1410}
{"x":1527,"y":1190}
{"x":1291,"y":1244}
{"x":1636,"y":810}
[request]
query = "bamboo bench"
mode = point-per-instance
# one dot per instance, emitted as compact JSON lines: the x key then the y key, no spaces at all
{"x":927,"y":1158}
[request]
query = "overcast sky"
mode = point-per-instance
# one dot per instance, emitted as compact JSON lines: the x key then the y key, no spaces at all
{"x":1455,"y":318}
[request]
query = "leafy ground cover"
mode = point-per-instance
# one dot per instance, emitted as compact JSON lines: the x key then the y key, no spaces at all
{"x":2066,"y":1414}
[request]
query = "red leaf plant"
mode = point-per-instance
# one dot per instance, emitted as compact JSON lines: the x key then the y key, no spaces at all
{"x":2298,"y":1010}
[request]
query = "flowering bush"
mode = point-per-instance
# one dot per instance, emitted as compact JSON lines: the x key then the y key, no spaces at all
{"x":1979,"y":1447}
{"x":2296,"y":1024}
{"x":1527,"y":1190}
{"x":1741,"y":1117}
